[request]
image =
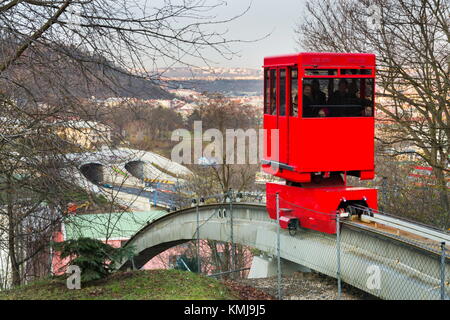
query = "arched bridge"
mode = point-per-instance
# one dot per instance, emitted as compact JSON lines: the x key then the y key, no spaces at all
{"x":406,"y":271}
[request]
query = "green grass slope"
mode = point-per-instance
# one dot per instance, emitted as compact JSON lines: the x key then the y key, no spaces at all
{"x":131,"y":285}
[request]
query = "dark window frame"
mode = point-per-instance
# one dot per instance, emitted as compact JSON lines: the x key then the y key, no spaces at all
{"x":267,"y":91}
{"x":273,"y":92}
{"x":282,"y":105}
{"x":293,"y":103}
{"x":316,"y":72}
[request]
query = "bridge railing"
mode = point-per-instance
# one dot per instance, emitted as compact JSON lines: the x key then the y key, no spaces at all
{"x":383,"y":266}
{"x":227,"y":197}
{"x":392,"y":272}
{"x":396,"y":265}
{"x":386,"y":266}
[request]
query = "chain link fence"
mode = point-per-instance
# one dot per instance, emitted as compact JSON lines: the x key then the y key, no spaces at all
{"x":384,"y":261}
{"x":378,"y":259}
{"x":235,"y":266}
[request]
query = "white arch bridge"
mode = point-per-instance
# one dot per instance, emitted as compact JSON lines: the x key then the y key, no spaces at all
{"x":406,"y":270}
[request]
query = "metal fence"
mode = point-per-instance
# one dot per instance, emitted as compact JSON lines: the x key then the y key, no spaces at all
{"x":394,"y":259}
{"x":381,"y":260}
{"x":227,"y":200}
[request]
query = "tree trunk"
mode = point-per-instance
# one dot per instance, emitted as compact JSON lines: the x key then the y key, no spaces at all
{"x":16,"y":280}
{"x":443,"y":197}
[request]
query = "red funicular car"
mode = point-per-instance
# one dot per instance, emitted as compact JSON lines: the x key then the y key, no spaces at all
{"x":319,"y":128}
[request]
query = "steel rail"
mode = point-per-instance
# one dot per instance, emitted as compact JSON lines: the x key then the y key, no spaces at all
{"x":409,"y":227}
{"x":369,"y":210}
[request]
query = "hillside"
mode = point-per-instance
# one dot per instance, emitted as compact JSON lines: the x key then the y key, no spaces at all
{"x":63,"y":70}
{"x":137,"y":285}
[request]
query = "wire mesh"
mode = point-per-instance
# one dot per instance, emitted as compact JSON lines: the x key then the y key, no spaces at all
{"x":382,"y":262}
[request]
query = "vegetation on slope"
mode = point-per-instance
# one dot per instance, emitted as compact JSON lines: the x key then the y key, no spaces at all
{"x":130,"y":285}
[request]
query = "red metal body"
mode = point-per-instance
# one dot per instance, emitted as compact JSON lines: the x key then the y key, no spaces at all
{"x":315,"y":207}
{"x":312,"y":137}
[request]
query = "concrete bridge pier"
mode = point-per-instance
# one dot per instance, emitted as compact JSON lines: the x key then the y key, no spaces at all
{"x":264,"y":266}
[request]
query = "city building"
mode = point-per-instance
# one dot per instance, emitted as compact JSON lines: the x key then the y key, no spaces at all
{"x":86,"y":134}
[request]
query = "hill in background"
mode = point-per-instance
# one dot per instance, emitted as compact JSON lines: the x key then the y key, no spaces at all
{"x":53,"y":72}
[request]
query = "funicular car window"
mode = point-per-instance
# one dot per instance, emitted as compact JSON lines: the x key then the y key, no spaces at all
{"x":321,"y":72}
{"x":266,"y":92}
{"x":282,"y":92}
{"x":356,"y":71}
{"x":273,"y":92}
{"x":338,"y":97}
{"x":294,"y":93}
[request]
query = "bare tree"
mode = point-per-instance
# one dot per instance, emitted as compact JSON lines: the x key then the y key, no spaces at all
{"x":411,"y":39}
{"x":144,"y":126}
{"x":31,"y":188}
{"x":221,"y":113}
{"x":56,"y":54}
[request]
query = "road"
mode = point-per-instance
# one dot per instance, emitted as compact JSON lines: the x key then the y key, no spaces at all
{"x":159,"y":195}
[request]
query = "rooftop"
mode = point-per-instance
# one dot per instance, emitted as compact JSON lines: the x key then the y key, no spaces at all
{"x":111,"y":226}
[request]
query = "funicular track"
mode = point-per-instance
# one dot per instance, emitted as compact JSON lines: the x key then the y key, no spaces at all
{"x":409,"y":269}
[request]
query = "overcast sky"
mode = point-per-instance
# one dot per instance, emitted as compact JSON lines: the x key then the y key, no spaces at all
{"x":277,"y":17}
